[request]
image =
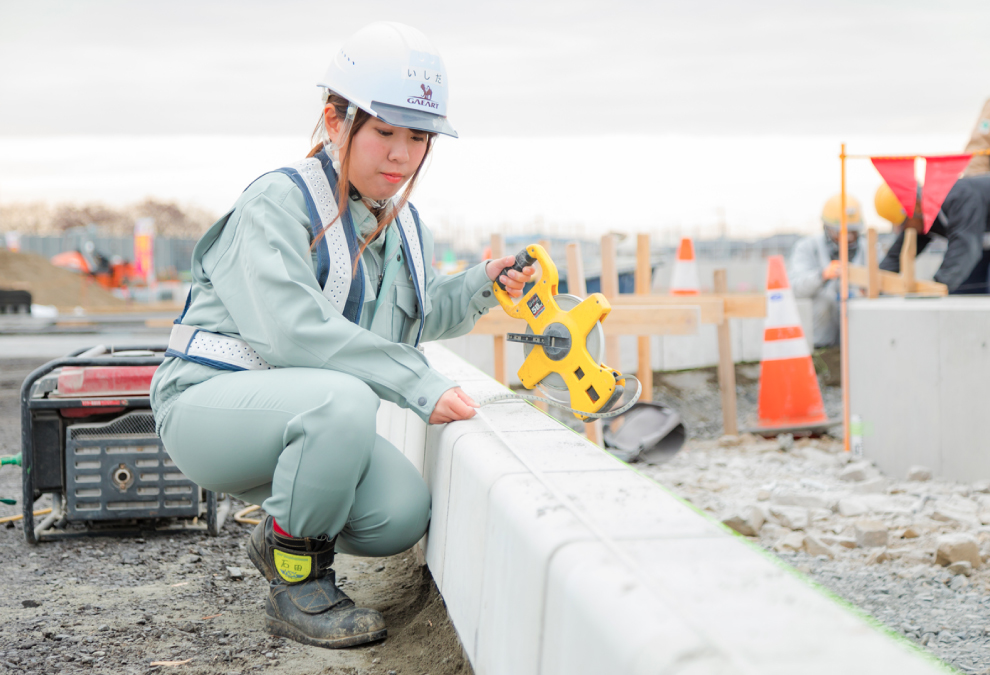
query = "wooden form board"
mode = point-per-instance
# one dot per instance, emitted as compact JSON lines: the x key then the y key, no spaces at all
{"x":893,"y":284}
{"x":878,"y":281}
{"x":713,"y":306}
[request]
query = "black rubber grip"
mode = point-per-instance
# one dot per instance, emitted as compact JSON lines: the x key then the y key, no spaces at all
{"x":523,"y":259}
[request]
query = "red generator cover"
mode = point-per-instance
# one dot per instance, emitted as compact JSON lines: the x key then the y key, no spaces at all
{"x":97,"y":381}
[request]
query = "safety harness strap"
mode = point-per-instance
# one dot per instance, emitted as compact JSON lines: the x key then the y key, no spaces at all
{"x":213,"y":349}
{"x":337,"y":258}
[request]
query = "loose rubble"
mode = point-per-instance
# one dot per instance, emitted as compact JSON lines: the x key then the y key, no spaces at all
{"x":910,"y":550}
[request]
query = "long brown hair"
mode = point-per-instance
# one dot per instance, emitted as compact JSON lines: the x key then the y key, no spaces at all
{"x":384,"y":215}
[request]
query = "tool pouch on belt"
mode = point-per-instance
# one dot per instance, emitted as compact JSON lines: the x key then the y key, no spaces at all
{"x":299,"y":559}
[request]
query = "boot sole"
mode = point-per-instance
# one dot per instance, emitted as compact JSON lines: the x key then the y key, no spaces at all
{"x":282,"y":629}
{"x":258,"y":561}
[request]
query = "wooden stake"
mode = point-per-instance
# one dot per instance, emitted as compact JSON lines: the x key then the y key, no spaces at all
{"x":575,"y":271}
{"x":726,"y":365}
{"x":872,"y":264}
{"x":843,"y":304}
{"x":908,"y":251}
{"x":610,"y":289}
{"x":644,"y":282}
{"x":498,"y":251}
{"x":576,"y":286}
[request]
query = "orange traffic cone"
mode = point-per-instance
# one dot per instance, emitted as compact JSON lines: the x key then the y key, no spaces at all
{"x":789,"y":394}
{"x":685,"y":278}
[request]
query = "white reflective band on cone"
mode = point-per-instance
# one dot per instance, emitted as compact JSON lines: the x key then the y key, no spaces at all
{"x":685,"y":276}
{"x":791,"y":348}
{"x":781,"y":309}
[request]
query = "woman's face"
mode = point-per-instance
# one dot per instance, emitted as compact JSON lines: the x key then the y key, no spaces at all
{"x":383,"y":158}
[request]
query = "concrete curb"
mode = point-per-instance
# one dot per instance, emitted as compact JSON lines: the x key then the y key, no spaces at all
{"x":532,"y":589}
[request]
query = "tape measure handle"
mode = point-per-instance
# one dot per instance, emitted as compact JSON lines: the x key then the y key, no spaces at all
{"x":523,"y":259}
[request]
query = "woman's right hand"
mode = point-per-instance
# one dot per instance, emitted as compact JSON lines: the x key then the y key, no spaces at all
{"x":453,"y":405}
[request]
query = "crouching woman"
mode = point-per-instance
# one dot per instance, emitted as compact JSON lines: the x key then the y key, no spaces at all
{"x":308,"y":302}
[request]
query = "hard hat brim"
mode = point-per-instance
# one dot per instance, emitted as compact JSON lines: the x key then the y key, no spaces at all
{"x":407,"y":118}
{"x":850,"y":227}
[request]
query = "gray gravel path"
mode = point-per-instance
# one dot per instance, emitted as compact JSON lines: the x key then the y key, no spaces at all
{"x":918,"y":602}
{"x":809,"y":505}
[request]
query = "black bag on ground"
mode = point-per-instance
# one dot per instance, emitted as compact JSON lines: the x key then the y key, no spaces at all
{"x":647,"y":432}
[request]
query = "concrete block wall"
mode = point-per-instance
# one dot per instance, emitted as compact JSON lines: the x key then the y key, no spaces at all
{"x":920,"y":377}
{"x":671,"y":352}
{"x":650,"y":586}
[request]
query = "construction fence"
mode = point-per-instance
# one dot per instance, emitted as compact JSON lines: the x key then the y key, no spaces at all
{"x":172,"y":256}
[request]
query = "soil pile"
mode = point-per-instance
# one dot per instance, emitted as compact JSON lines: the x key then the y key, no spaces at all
{"x":171,"y":220}
{"x":50,"y":285}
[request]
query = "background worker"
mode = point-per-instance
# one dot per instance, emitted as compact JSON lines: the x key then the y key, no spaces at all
{"x":813,"y":266}
{"x":308,"y":301}
{"x":964,"y":220}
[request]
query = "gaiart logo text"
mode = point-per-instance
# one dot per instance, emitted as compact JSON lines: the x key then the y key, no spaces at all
{"x":426,"y":100}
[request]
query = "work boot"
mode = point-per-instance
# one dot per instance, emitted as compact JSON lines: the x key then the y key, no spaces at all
{"x":304,"y":603}
{"x":259,"y":551}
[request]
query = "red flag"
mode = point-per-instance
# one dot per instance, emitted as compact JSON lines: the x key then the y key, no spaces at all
{"x":941,"y":174}
{"x":898,"y":173}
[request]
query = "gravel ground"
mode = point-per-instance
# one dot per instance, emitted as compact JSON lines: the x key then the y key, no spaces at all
{"x":117,"y":605}
{"x":871,"y":539}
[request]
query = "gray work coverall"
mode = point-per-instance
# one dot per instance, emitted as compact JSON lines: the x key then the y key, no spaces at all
{"x":300,"y":439}
{"x":810,"y":257}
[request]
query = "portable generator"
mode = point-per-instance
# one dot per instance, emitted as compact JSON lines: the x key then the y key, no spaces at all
{"x":88,"y":439}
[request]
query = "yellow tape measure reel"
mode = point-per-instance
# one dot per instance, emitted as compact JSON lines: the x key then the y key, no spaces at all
{"x":559,"y":338}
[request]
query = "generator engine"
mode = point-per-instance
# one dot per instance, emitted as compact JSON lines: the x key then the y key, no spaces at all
{"x":88,"y":439}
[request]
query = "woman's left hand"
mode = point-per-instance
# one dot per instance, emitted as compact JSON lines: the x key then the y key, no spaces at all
{"x":513,"y":280}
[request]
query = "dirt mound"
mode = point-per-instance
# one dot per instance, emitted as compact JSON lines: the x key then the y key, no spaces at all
{"x":171,"y":220}
{"x":50,"y":285}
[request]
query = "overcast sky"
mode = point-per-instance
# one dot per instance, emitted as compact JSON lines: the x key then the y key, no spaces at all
{"x":604,"y":115}
{"x":537,"y":67}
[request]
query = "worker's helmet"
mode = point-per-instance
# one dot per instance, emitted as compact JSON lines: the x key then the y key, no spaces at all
{"x":888,"y":206}
{"x":392,"y":72}
{"x":832,"y":215}
{"x":832,"y":220}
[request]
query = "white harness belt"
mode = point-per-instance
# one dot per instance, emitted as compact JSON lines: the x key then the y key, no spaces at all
{"x":207,"y":346}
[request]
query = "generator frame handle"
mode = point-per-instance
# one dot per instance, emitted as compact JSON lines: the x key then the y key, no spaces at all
{"x":27,"y":431}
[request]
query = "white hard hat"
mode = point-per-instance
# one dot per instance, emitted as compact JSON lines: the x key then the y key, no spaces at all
{"x":392,"y":71}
